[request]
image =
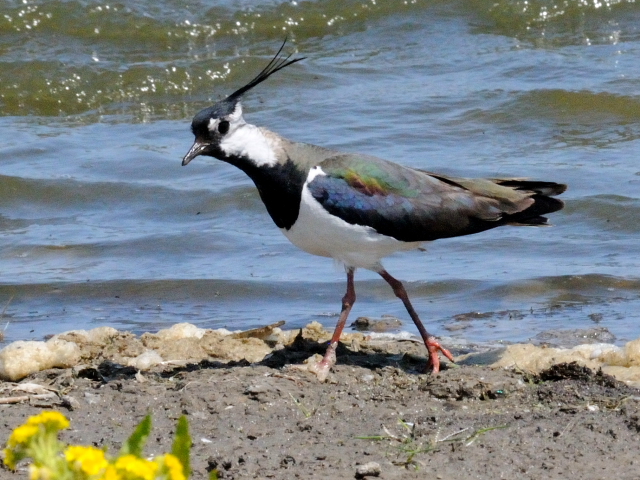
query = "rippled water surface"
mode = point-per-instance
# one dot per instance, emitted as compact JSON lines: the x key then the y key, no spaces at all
{"x":100,"y":225}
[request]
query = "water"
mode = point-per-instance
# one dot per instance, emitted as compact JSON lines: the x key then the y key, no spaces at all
{"x":100,"y":225}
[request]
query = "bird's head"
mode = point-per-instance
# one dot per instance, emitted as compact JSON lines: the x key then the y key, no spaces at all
{"x":215,"y":125}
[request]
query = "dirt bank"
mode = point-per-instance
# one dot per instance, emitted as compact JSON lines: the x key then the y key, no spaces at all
{"x":267,"y":420}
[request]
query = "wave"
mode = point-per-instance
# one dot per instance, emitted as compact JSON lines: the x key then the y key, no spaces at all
{"x":579,"y":118}
{"x":70,"y":58}
{"x":611,"y":214}
{"x":560,"y":22}
{"x":150,"y":60}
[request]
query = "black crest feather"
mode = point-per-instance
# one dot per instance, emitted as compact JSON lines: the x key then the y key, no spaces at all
{"x":277,"y":63}
{"x":199,"y":124}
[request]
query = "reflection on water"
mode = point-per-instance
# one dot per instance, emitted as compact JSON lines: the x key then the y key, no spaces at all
{"x":99,"y":224}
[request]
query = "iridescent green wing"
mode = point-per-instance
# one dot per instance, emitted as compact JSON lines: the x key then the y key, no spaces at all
{"x":408,"y":204}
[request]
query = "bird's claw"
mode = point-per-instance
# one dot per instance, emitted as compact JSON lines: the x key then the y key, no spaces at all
{"x":321,"y":368}
{"x":433,"y":346}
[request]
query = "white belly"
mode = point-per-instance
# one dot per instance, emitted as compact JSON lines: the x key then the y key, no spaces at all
{"x":319,"y":233}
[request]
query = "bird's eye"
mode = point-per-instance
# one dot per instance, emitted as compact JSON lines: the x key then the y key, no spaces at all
{"x":223,"y":127}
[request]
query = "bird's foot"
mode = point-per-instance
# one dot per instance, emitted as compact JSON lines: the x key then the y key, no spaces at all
{"x":321,"y":368}
{"x":433,"y":346}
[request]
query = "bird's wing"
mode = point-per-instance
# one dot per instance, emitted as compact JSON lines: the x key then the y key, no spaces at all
{"x":412,"y":205}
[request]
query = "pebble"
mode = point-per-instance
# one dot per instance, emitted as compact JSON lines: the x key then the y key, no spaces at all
{"x":370,"y":469}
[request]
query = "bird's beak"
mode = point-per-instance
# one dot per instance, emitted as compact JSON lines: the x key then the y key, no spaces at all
{"x":196,"y":149}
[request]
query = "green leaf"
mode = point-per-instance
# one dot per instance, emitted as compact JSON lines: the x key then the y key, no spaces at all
{"x":213,"y":474}
{"x":135,"y":443}
{"x":182,"y":445}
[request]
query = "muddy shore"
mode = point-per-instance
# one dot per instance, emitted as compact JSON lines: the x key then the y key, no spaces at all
{"x":377,"y":416}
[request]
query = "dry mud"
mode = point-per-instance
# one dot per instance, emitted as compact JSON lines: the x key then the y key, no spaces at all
{"x":269,"y":420}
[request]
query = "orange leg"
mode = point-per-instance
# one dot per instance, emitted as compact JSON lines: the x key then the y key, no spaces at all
{"x":322,"y":368}
{"x":433,"y":346}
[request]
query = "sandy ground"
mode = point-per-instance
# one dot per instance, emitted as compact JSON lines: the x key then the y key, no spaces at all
{"x":268,"y":420}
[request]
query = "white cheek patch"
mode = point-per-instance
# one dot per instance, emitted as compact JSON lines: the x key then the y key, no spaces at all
{"x":213,"y":124}
{"x":248,"y":141}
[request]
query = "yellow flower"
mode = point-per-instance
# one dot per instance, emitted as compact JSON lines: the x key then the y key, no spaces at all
{"x":110,"y":474}
{"x":9,"y":458}
{"x":22,"y":435}
{"x":132,"y":467}
{"x":90,"y":460}
{"x":174,"y":467}
{"x":52,"y":419}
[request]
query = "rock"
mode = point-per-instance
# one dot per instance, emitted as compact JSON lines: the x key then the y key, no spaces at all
{"x":145,"y":360}
{"x":99,"y":335}
{"x":370,"y":469}
{"x":23,"y":358}
{"x":385,"y":324}
{"x":181,"y":330}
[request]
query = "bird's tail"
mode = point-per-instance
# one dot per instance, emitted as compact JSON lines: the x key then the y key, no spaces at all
{"x":542,"y":188}
{"x":543,"y":201}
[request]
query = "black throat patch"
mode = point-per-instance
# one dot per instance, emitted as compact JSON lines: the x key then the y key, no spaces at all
{"x":280,"y":188}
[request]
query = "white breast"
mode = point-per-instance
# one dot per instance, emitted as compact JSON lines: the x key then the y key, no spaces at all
{"x":320,"y":233}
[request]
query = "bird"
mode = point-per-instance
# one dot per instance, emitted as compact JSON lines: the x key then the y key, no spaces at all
{"x":357,"y":208}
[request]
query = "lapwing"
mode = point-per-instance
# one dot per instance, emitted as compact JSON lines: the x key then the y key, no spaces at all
{"x":356,"y":208}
